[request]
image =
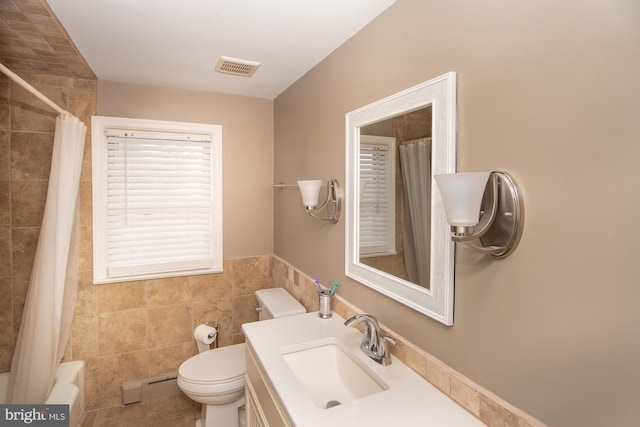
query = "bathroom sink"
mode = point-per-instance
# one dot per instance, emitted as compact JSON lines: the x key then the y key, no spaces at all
{"x":329,"y":375}
{"x":302,"y":363}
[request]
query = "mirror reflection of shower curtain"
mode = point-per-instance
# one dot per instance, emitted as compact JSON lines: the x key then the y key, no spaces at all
{"x":48,"y":310}
{"x":415,"y":162}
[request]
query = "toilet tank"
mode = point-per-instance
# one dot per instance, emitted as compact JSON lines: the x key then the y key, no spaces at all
{"x":277,"y":302}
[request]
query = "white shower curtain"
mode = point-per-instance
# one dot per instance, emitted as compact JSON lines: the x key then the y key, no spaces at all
{"x":48,"y":310}
{"x":415,"y":161}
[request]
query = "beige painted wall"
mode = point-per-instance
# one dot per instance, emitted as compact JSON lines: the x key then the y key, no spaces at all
{"x":247,"y":151}
{"x":549,"y":92}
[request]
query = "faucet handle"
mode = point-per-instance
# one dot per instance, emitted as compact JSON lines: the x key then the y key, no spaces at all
{"x":385,"y":354}
{"x":354,"y":320}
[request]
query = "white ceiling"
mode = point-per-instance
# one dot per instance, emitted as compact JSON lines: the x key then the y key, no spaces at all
{"x":177,"y":43}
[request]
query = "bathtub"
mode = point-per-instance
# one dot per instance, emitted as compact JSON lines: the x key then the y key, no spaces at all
{"x":68,"y":389}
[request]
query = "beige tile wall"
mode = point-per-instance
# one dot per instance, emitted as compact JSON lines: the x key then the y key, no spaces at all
{"x":34,"y":41}
{"x":484,"y":405}
{"x":26,"y":141}
{"x":133,"y":330}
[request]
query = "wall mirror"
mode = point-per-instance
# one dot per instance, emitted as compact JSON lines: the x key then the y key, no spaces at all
{"x":398,"y":240}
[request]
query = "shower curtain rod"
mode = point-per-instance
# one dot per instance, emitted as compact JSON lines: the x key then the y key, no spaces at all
{"x":415,"y":141}
{"x":13,"y":76}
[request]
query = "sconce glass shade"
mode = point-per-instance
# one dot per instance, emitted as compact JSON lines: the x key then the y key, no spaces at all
{"x":310,"y":190}
{"x":462,"y":196}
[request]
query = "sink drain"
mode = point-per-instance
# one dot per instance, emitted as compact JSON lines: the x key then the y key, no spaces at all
{"x":332,"y":403}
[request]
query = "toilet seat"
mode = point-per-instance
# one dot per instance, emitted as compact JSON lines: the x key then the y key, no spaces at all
{"x":218,"y":371}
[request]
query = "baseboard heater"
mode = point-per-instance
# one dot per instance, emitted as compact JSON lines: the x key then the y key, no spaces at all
{"x":144,"y":389}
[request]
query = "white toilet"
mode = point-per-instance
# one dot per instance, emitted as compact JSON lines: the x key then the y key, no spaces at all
{"x":215,"y":377}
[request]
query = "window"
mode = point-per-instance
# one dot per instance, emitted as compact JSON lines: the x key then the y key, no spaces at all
{"x":377,"y":196}
{"x":157,"y":199}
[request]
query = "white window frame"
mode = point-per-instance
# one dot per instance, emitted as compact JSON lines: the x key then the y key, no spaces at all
{"x":100,"y":125}
{"x":388,"y":246}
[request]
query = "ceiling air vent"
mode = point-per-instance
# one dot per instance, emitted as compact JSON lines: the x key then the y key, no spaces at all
{"x":238,"y":67}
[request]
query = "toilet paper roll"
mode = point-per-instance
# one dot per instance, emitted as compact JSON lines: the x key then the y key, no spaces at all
{"x":204,"y":336}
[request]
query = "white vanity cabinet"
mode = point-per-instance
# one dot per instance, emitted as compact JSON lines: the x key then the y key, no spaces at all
{"x":262,"y":407}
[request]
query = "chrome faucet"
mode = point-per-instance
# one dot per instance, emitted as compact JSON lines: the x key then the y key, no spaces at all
{"x":373,"y":345}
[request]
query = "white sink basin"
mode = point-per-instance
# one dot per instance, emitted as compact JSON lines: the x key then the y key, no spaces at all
{"x":329,"y":375}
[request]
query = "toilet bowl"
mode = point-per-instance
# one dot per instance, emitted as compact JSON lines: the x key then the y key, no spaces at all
{"x":215,"y":377}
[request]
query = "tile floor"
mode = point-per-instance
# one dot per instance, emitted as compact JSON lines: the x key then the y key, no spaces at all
{"x":172,"y":411}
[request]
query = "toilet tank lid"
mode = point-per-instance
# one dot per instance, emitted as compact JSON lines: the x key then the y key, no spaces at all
{"x":279,"y":302}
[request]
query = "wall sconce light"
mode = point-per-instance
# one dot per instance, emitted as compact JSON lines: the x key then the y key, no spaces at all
{"x":310,"y":190}
{"x":483,"y":206}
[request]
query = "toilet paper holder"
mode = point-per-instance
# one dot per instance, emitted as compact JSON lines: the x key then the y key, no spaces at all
{"x":214,"y":335}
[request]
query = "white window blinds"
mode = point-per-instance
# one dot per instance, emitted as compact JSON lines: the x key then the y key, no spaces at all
{"x":160,"y":204}
{"x":377,"y":196}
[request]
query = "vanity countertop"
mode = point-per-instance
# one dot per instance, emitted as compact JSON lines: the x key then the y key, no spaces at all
{"x":409,"y":399}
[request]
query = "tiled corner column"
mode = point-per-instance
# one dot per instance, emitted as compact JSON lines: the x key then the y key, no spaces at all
{"x":480,"y":402}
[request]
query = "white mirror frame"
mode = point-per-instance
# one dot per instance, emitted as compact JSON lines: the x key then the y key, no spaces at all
{"x":437,"y":301}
